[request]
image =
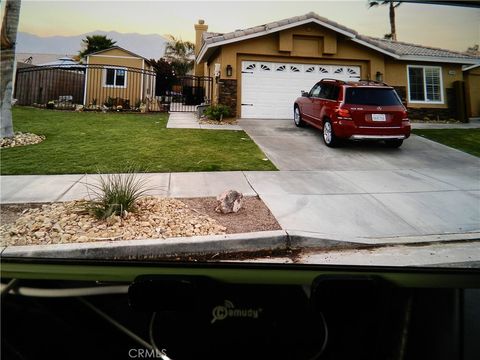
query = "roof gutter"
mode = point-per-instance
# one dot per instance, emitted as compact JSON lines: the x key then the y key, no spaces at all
{"x":471,"y":67}
{"x":440,"y":59}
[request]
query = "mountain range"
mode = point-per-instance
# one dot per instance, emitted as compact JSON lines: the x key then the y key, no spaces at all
{"x":149,"y":46}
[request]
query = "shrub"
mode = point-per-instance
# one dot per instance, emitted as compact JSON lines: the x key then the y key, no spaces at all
{"x":116,"y":193}
{"x":109,"y":102}
{"x":217,"y":112}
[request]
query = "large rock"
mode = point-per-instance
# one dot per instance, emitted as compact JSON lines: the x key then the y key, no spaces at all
{"x":229,"y":201}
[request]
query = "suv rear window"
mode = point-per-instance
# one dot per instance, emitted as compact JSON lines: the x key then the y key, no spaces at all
{"x":372,"y":96}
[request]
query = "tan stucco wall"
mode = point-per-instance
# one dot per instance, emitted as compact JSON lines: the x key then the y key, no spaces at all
{"x":396,"y":75}
{"x":98,"y":93}
{"x":472,"y":89}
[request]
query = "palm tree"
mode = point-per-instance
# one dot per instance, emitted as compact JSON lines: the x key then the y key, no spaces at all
{"x":95,"y":43}
{"x":393,"y":5}
{"x":8,"y":40}
{"x":180,"y":54}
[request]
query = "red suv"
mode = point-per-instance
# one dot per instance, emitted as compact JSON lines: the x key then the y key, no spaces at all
{"x":363,"y":110}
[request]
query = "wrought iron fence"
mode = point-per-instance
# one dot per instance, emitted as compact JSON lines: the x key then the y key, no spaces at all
{"x":108,"y":87}
{"x":41,"y":84}
{"x":189,"y":91}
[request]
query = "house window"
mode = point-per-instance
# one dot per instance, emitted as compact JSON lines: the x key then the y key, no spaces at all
{"x":115,"y":77}
{"x":425,"y":84}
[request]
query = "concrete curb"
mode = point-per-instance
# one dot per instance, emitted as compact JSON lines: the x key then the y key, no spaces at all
{"x":221,"y":244}
{"x":199,"y":245}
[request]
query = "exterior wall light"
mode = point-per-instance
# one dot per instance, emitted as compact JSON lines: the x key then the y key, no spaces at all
{"x":229,"y":70}
{"x":379,"y":76}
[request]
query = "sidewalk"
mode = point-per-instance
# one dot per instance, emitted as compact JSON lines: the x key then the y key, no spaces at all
{"x":52,"y":188}
{"x":341,"y":205}
{"x":473,"y":124}
{"x":187,"y":120}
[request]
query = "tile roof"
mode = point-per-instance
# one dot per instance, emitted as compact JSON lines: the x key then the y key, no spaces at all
{"x":402,"y":48}
{"x":210,"y":38}
{"x":394,"y":48}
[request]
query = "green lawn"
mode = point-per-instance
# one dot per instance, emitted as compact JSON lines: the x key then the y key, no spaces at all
{"x":78,"y":143}
{"x":467,"y":140}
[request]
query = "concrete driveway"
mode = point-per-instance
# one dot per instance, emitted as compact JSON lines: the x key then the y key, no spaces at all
{"x":365,"y":190}
{"x":292,"y":148}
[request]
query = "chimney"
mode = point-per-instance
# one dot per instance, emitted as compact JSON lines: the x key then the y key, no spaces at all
{"x":200,"y":28}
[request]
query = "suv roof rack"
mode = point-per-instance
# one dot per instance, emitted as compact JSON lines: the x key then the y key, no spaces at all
{"x":336,"y":80}
{"x":369,"y":81}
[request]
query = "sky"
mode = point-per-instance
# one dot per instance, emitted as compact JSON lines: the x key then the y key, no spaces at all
{"x":448,"y":27}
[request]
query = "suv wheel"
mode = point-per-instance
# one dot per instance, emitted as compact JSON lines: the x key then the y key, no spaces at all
{"x":328,"y":135}
{"x":394,"y":143}
{"x":297,"y":117}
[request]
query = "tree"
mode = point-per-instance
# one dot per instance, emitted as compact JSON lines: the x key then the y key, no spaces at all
{"x":180,"y":54}
{"x":8,"y":40}
{"x":95,"y":43}
{"x":165,"y":76}
{"x":393,"y":5}
{"x":473,"y":50}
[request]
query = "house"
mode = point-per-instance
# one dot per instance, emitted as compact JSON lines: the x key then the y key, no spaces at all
{"x":260,"y":71}
{"x":39,"y":59}
{"x":118,"y":77}
{"x":64,"y":61}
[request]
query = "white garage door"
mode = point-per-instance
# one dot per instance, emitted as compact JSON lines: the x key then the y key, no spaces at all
{"x":269,"y":89}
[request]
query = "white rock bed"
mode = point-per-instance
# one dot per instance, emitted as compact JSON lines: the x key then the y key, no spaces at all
{"x":60,"y":223}
{"x":21,"y":139}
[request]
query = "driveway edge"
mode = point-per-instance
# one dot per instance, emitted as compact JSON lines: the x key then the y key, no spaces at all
{"x":303,"y":239}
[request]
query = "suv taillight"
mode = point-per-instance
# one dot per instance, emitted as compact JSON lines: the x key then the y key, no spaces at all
{"x":405,"y":116}
{"x":344,"y":113}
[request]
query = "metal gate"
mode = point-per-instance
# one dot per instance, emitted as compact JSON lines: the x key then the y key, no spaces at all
{"x":187,"y":92}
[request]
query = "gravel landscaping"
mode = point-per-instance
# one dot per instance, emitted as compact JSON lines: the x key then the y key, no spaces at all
{"x":21,"y":139}
{"x":226,"y":121}
{"x":57,"y":223}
